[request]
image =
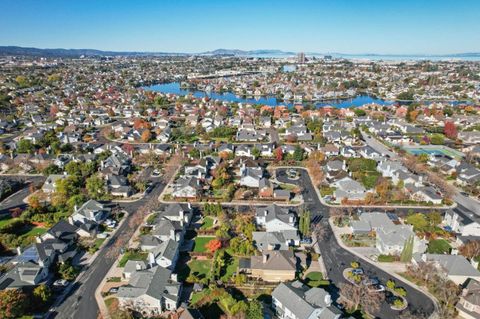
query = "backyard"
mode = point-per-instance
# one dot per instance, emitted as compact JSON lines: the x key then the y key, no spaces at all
{"x":200,"y":243}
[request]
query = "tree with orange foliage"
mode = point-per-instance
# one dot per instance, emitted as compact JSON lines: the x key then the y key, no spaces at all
{"x":279,"y":154}
{"x":213,"y":245}
{"x":146,"y":136}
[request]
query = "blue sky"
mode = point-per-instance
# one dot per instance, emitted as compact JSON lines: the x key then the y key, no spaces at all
{"x":355,"y":26}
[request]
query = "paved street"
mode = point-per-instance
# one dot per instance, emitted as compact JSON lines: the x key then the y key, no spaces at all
{"x":16,"y":200}
{"x":336,"y":258}
{"x":81,"y":303}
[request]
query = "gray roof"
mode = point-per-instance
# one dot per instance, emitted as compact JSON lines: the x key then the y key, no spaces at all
{"x":278,"y":240}
{"x":454,"y":265}
{"x":274,"y":212}
{"x":303,"y":301}
{"x":154,"y":282}
{"x":168,"y":249}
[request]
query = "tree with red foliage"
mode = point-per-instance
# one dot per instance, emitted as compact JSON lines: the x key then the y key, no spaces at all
{"x":279,"y":154}
{"x":213,"y":245}
{"x":450,"y":130}
{"x":128,"y":148}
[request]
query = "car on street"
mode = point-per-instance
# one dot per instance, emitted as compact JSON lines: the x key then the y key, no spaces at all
{"x":357,"y":271}
{"x":60,"y":283}
{"x":292,"y":173}
{"x":156,"y":173}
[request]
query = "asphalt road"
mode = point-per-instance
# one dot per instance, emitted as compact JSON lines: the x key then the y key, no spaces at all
{"x":336,"y":258}
{"x":16,"y":200}
{"x":81,"y":303}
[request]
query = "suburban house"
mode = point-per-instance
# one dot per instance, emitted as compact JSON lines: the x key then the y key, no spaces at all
{"x":275,"y":218}
{"x":296,"y":300}
{"x":468,"y":306}
{"x":50,"y":183}
{"x":281,"y":240}
{"x":273,"y":266}
{"x":186,"y":187}
{"x":90,"y":211}
{"x":456,"y":267}
{"x":250,"y":176}
{"x":151,"y":291}
{"x":165,"y":254}
{"x":464,"y":223}
{"x":391,"y":238}
{"x":349,"y":189}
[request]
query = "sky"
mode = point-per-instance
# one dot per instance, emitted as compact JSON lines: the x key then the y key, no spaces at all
{"x":344,"y":26}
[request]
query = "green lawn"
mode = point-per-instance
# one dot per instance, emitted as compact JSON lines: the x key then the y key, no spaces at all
{"x":36,"y":231}
{"x":386,"y":258}
{"x":132,"y":255}
{"x":439,"y":246}
{"x":200,"y":243}
{"x":230,"y":269}
{"x":315,"y":279}
{"x":201,"y":268}
{"x":207,"y":223}
{"x":6,"y":221}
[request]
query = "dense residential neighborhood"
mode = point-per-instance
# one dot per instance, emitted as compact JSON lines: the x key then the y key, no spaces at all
{"x":125,"y":200}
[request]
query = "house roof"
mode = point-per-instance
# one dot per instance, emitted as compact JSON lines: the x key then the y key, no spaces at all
{"x":154,"y":282}
{"x":303,"y":301}
{"x":276,"y":260}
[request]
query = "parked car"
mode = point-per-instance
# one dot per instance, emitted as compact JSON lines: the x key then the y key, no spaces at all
{"x":370,"y":281}
{"x":378,"y":288}
{"x":113,"y":290}
{"x":60,"y":283}
{"x":357,"y":271}
{"x":156,"y":173}
{"x":292,"y":173}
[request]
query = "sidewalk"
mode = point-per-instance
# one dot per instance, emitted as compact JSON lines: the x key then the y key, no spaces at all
{"x":392,"y":270}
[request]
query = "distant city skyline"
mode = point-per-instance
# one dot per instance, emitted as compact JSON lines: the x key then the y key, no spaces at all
{"x":350,"y":27}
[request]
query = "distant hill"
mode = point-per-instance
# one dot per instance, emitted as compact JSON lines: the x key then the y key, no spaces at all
{"x":74,"y":53}
{"x":23,"y":51}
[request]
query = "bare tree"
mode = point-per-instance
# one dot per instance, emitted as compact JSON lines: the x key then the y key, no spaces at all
{"x":360,"y":296}
{"x":351,"y":295}
{"x":471,"y":249}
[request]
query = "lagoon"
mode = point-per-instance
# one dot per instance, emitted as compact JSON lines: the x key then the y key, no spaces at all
{"x":174,"y":88}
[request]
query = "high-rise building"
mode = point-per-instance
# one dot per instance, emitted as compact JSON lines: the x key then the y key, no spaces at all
{"x":301,"y":57}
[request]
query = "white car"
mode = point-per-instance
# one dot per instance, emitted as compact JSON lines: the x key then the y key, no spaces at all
{"x":60,"y":283}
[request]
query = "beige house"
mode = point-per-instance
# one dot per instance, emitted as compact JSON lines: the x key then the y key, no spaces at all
{"x":469,"y":304}
{"x":273,"y":266}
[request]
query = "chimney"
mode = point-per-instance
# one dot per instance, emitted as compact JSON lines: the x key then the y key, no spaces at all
{"x":138,"y":266}
{"x":75,"y":208}
{"x":19,"y":250}
{"x":264,"y":258}
{"x":38,"y":239}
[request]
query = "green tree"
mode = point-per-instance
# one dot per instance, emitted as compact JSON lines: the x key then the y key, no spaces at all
{"x":67,"y":271}
{"x":13,"y":303}
{"x":298,"y":153}
{"x":256,"y":152}
{"x":42,"y":293}
{"x":95,"y":187}
{"x":437,"y":139}
{"x":51,"y":169}
{"x":255,"y":310}
{"x":25,"y":146}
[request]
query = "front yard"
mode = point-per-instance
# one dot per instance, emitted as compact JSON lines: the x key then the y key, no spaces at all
{"x":132,"y":255}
